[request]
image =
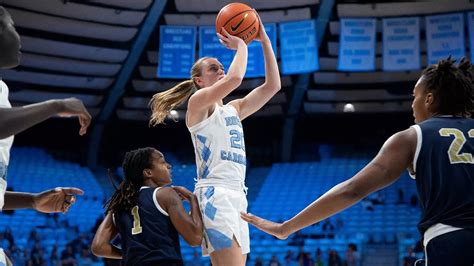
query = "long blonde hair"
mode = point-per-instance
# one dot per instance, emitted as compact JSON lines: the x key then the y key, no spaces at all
{"x":163,"y":102}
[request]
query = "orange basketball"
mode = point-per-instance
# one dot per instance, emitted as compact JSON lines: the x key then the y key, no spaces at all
{"x":239,"y":20}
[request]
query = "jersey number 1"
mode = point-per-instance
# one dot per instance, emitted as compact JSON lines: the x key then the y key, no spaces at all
{"x":455,"y":148}
{"x":137,"y":228}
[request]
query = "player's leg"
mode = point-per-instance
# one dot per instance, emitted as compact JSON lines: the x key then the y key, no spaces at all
{"x":229,"y":256}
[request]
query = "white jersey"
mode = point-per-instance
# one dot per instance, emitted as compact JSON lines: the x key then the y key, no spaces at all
{"x":220,"y":149}
{"x":5,"y":145}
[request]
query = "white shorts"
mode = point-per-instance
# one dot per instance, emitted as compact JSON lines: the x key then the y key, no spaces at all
{"x":3,"y":258}
{"x":3,"y":188}
{"x":220,"y":208}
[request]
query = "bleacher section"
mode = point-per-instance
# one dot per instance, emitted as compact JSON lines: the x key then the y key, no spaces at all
{"x":34,"y":170}
{"x":291,"y":187}
{"x":280,"y":192}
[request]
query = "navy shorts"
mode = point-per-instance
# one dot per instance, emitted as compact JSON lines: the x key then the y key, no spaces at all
{"x":453,"y":249}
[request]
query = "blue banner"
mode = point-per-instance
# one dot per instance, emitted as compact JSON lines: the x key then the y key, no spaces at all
{"x":470,"y":23}
{"x":177,"y":51}
{"x":357,"y":45}
{"x":299,"y":50}
{"x":445,"y":37}
{"x":210,"y":46}
{"x":256,"y":61}
{"x":401,"y":44}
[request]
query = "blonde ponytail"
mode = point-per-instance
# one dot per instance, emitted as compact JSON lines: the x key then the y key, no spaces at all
{"x":162,"y":103}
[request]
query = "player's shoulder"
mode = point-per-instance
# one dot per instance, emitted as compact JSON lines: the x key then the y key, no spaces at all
{"x":166,"y":193}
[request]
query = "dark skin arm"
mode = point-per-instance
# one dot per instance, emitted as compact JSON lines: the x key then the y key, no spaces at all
{"x":50,"y":201}
{"x":101,"y":246}
{"x":394,"y":157}
{"x":17,"y":119}
{"x":188,"y":225}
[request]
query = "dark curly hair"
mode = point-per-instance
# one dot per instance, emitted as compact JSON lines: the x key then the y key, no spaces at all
{"x":125,"y":196}
{"x":451,"y":85}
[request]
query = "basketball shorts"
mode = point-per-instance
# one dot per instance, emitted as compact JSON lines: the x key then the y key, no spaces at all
{"x":220,"y":208}
{"x":3,"y":258}
{"x":3,"y":188}
{"x":453,"y":249}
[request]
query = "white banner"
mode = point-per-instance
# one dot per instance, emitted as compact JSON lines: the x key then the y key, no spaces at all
{"x":357,"y":45}
{"x":445,"y":37}
{"x":401,"y":44}
{"x":298,"y":47}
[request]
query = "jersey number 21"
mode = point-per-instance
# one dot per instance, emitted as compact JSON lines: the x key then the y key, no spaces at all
{"x":454,"y":151}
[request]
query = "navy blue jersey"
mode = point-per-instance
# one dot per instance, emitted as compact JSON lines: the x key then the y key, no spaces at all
{"x":147,"y":234}
{"x":445,"y":172}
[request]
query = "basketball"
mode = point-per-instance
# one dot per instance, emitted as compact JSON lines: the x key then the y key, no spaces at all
{"x":239,"y":20}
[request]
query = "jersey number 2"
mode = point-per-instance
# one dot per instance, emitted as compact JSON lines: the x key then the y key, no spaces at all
{"x":137,"y":228}
{"x":237,"y":140}
{"x":455,"y":148}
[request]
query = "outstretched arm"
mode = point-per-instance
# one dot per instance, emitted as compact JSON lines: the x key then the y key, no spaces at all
{"x":54,"y":200}
{"x":188,"y":225}
{"x":258,"y":97}
{"x":101,"y":246}
{"x":17,"y":119}
{"x":204,"y":98}
{"x":394,"y":157}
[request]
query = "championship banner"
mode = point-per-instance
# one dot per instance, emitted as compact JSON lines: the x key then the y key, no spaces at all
{"x":357,"y":45}
{"x":401,"y":44}
{"x":445,"y":37}
{"x":177,"y":51}
{"x":298,"y":46}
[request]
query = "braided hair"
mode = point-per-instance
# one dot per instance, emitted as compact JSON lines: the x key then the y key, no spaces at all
{"x":125,"y":196}
{"x":452,"y":87}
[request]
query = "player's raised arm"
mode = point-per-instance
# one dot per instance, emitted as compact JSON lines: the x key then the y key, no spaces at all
{"x":393,"y":158}
{"x":258,"y":97}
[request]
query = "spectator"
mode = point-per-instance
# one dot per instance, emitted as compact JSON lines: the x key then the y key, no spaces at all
{"x":328,"y":226}
{"x":4,"y":242}
{"x":67,"y":257}
{"x":7,"y":234}
{"x":258,"y":261}
{"x":401,"y":198}
{"x":334,"y":259}
{"x":409,"y":259}
{"x":54,"y":258}
{"x":319,"y":258}
{"x":37,"y":258}
{"x":22,"y":257}
{"x":274,"y":261}
{"x":352,"y":256}
{"x":85,"y":259}
{"x":289,"y":259}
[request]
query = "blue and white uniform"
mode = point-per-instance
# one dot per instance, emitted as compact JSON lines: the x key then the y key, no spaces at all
{"x":221,"y":163}
{"x":5,"y":146}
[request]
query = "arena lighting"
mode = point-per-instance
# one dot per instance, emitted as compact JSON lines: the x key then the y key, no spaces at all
{"x":349,"y":108}
{"x":174,"y":115}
